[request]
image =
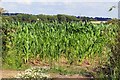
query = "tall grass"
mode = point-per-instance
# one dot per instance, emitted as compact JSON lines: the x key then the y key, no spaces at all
{"x":49,"y":41}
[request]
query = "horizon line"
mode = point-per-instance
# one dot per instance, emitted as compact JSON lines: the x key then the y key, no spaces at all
{"x":59,"y":13}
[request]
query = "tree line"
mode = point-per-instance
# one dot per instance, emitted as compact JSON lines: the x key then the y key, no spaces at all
{"x":47,"y":18}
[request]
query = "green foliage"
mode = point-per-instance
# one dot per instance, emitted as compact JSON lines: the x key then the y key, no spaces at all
{"x":115,"y":57}
{"x":43,"y":18}
{"x":111,"y":70}
{"x":75,"y":40}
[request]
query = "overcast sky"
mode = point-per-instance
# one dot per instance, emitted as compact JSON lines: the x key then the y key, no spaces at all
{"x":72,"y":7}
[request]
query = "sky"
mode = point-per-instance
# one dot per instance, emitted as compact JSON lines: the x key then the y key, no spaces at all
{"x":91,"y":8}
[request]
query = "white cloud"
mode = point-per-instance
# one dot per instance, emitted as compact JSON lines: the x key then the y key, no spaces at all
{"x":61,"y":7}
{"x":19,"y":1}
{"x":26,"y":2}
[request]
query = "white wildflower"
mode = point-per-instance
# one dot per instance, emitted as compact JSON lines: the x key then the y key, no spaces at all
{"x":34,"y":72}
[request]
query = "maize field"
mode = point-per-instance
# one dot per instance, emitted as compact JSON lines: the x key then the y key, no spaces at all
{"x":49,"y":41}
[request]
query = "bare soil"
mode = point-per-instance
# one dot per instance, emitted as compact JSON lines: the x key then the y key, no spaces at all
{"x":88,"y":65}
{"x":9,"y":73}
{"x":13,"y":73}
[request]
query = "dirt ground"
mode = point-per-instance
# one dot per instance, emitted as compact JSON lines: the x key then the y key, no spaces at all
{"x":9,"y":73}
{"x":12,"y":73}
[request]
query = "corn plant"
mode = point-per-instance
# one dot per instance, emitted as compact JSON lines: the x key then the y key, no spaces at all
{"x":49,"y":41}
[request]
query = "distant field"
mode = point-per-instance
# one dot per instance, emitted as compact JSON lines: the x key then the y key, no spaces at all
{"x":98,"y":22}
